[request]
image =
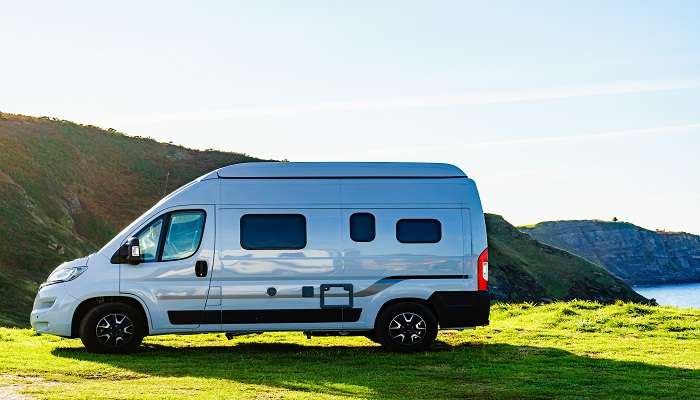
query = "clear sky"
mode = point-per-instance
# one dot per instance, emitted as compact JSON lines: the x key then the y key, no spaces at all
{"x":559,"y":110}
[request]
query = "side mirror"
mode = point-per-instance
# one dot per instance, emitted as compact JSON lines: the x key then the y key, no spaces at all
{"x":129,"y":252}
{"x":133,"y":251}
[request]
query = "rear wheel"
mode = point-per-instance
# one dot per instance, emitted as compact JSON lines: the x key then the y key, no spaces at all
{"x":112,"y":328}
{"x":406,"y":327}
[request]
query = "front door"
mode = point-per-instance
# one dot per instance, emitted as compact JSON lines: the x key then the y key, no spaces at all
{"x":177,"y":250}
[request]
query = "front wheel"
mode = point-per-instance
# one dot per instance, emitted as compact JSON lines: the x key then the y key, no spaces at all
{"x":112,"y":328}
{"x":406,"y":327}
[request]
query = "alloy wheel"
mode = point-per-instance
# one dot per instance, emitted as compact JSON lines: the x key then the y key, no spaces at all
{"x":407,"y":328}
{"x":114,"y":330}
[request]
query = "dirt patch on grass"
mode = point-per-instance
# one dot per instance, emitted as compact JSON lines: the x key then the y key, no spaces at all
{"x":11,"y":386}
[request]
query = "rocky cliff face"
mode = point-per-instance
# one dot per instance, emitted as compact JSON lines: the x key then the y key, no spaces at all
{"x":524,"y":269}
{"x":637,"y":255}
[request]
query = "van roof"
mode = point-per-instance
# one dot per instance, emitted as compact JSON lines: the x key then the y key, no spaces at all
{"x":338,"y":170}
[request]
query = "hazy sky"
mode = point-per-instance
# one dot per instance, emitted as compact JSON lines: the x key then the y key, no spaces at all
{"x":559,"y":110}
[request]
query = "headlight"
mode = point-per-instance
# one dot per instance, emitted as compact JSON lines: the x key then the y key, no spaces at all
{"x":64,"y":275}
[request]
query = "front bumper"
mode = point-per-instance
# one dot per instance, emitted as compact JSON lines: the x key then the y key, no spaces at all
{"x":461,"y":309}
{"x":53,"y":311}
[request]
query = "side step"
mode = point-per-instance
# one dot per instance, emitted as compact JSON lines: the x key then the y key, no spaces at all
{"x":231,"y":335}
{"x":309,"y":334}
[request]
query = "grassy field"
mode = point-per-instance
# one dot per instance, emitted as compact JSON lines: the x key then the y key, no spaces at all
{"x":562,"y":350}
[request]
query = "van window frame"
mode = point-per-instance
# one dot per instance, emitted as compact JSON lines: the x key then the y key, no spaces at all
{"x":439,"y":224}
{"x":240,"y":231}
{"x":166,"y":217}
{"x":374,"y":226}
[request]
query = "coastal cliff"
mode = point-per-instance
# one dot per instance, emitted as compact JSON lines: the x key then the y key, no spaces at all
{"x":636,"y":255}
{"x":524,"y":269}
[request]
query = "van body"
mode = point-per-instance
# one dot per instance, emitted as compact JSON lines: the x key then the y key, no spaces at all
{"x":392,"y":251}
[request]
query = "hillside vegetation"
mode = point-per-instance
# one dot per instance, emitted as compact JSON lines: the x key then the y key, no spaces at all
{"x":523,"y":269}
{"x":636,"y":255}
{"x":574,"y":350}
{"x":66,"y":189}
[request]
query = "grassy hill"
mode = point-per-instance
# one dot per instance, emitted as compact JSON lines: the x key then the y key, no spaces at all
{"x":523,"y":269}
{"x":572,"y":350}
{"x":66,"y":189}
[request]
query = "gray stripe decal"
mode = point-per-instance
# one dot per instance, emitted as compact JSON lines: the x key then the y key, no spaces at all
{"x":371,"y":290}
{"x":377,"y":287}
{"x":184,"y":297}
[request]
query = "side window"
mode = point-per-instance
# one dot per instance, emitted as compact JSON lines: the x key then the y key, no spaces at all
{"x":273,"y":231}
{"x":173,"y":236}
{"x":184,"y":235}
{"x":149,"y":238}
{"x":418,"y":231}
{"x":362,"y":227}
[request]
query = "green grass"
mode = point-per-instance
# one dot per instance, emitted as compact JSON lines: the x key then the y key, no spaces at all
{"x":562,"y":350}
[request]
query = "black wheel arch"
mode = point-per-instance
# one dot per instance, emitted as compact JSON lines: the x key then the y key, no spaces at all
{"x":452,"y":309}
{"x":86,"y":305}
{"x":405,"y":300}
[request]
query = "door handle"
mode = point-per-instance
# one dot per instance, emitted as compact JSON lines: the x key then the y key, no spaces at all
{"x":201,"y":268}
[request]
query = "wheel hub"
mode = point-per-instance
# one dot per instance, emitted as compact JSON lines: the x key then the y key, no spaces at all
{"x":114,"y":330}
{"x":407,"y":328}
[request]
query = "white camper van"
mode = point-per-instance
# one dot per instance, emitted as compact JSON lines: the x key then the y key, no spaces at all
{"x":391,"y":251}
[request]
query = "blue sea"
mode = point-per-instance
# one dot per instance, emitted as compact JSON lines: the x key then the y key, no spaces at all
{"x":680,"y":295}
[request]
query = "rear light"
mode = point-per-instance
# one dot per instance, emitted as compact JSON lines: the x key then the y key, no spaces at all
{"x":482,"y":270}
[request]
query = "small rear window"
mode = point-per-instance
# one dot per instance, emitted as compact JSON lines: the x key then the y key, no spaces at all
{"x":362,"y":227}
{"x":418,"y":231}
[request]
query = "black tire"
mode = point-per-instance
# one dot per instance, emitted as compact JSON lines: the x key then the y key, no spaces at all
{"x":406,"y":327}
{"x":112,"y":328}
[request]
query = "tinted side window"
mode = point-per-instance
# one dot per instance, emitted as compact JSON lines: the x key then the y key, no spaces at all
{"x":418,"y":231}
{"x":184,"y":235}
{"x":273,"y":231}
{"x":172,"y":236}
{"x":362,"y":227}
